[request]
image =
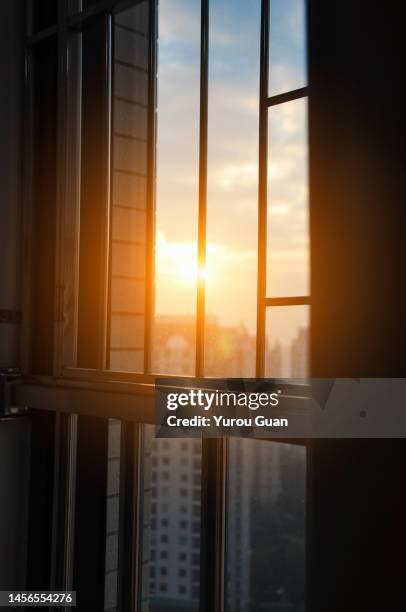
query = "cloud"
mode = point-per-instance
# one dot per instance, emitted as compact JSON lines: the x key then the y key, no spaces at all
{"x":232,"y":150}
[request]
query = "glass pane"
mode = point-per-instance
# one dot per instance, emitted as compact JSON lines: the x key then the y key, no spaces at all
{"x":287,"y":342}
{"x":112,"y":515}
{"x":265,"y":559}
{"x":287,"y":46}
{"x":288,"y":222}
{"x":231,"y":276}
{"x":171,"y":524}
{"x":177,"y":186}
{"x":129,"y":178}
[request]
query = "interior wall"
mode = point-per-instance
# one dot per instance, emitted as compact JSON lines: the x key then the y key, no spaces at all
{"x":357,"y":533}
{"x":11,"y":129}
{"x":357,"y":190}
{"x":14,"y":433}
{"x":14,"y":490}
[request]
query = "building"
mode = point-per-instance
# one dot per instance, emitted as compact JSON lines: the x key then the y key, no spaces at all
{"x":299,"y":354}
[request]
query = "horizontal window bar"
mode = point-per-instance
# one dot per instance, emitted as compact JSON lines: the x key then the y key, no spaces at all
{"x":130,"y":172}
{"x":129,"y":137}
{"x":129,"y":101}
{"x":128,"y":207}
{"x":131,"y":66}
{"x":127,"y":313}
{"x":125,"y":349}
{"x":87,"y":374}
{"x":295,"y":94}
{"x":129,"y":242}
{"x":127,"y":28}
{"x":128,"y":277}
{"x":101,"y":400}
{"x":300,"y":300}
{"x":129,"y":401}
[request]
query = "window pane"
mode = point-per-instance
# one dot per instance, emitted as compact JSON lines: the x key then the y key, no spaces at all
{"x":231,"y":275}
{"x":265,"y":559}
{"x":171,"y":524}
{"x":287,"y":46}
{"x":177,"y":186}
{"x":288,"y":223}
{"x":129,"y":179}
{"x":287,"y":342}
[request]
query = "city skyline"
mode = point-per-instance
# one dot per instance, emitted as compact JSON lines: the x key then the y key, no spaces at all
{"x":230,"y":350}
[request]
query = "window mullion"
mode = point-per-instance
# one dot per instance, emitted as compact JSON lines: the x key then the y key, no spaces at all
{"x":262,"y":189}
{"x":213,"y":525}
{"x":150,"y":237}
{"x":130,"y":542}
{"x":201,"y":244}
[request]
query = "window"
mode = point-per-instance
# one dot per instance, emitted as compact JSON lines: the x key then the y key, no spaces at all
{"x":189,"y":264}
{"x":128,"y":267}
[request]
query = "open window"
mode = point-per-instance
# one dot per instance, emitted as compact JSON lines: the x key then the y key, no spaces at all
{"x":178,"y":248}
{"x":167,"y":224}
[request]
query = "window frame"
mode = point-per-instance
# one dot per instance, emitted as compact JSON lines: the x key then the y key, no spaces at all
{"x":65,"y":321}
{"x":66,"y":290}
{"x":129,"y":396}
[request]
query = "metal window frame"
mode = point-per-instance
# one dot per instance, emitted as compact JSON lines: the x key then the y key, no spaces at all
{"x":266,"y":102}
{"x":66,"y":274}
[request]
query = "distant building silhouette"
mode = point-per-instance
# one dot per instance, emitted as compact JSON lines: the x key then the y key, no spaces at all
{"x":274,"y":361}
{"x":229,"y":350}
{"x":299,"y":354}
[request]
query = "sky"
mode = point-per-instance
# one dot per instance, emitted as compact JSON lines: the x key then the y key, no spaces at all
{"x":232,"y":203}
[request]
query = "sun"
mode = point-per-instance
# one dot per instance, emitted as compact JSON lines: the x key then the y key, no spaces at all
{"x":188,"y":272}
{"x":178,"y":263}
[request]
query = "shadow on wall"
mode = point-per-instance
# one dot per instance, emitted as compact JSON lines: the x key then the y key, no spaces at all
{"x":15,"y":435}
